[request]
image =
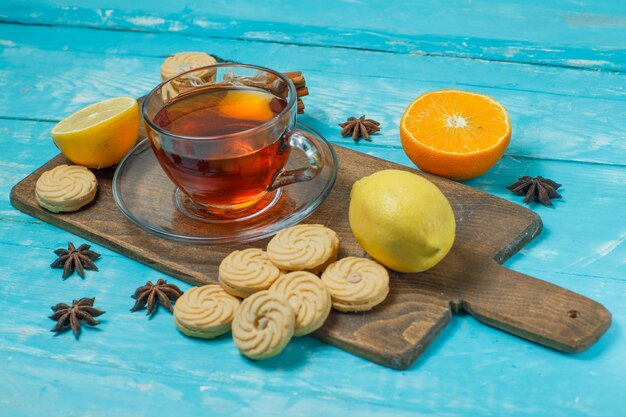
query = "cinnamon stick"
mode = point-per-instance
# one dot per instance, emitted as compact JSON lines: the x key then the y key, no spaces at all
{"x":292,"y":74}
{"x":299,"y":82}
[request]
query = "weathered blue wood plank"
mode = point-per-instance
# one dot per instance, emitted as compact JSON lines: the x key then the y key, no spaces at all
{"x":133,"y":366}
{"x":592,"y":248}
{"x":136,"y":393}
{"x":561,"y":33}
{"x":470,"y":367}
{"x":556,"y":113}
{"x":565,"y":246}
{"x":138,"y":44}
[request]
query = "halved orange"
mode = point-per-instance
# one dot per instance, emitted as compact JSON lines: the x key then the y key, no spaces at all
{"x":455,"y":134}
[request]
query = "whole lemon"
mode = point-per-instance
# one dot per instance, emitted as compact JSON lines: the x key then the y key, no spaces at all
{"x":402,"y":220}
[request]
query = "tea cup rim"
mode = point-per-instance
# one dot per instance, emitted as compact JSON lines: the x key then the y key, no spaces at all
{"x":290,"y":104}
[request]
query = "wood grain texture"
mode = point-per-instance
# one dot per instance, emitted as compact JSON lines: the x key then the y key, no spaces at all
{"x":566,"y":246}
{"x":545,"y":103}
{"x":418,"y":307}
{"x":133,"y":366}
{"x":138,"y":361}
{"x":581,"y":35}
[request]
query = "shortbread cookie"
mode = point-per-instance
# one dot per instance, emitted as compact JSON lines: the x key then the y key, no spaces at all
{"x":308,"y":297}
{"x":66,"y":188}
{"x":263,"y":325}
{"x":356,"y":284}
{"x":185,"y":61}
{"x":205,"y":312}
{"x":247,"y":271}
{"x":309,"y":247}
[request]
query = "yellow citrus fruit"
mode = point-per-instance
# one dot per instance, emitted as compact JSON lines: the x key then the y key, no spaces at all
{"x":247,"y":105}
{"x":455,"y":134}
{"x":402,"y":220}
{"x":99,"y":135}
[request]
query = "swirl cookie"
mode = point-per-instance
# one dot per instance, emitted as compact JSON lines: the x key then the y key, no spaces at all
{"x":205,"y":312}
{"x":185,"y":61}
{"x":66,"y":188}
{"x":356,"y":284}
{"x":308,"y":297}
{"x":263,"y":325}
{"x":309,"y":247}
{"x":245,"y":272}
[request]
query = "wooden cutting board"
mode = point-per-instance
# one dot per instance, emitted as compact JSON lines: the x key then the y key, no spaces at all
{"x":394,"y":334}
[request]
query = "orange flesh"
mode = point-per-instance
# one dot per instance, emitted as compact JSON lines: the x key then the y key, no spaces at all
{"x":457,"y":122}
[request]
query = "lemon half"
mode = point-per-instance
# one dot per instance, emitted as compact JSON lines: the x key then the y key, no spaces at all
{"x":99,"y":135}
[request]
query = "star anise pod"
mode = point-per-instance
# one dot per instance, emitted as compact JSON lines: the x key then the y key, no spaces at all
{"x":152,"y":295}
{"x":359,"y":128}
{"x":540,"y":189}
{"x":70,"y":317}
{"x":72,"y":259}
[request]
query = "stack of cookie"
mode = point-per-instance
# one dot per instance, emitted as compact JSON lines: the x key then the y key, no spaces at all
{"x":283,"y":295}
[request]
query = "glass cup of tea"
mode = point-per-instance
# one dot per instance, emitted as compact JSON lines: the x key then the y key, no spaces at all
{"x":223,"y":135}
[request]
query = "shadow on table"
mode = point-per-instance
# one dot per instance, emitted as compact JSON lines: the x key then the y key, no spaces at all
{"x":295,"y":355}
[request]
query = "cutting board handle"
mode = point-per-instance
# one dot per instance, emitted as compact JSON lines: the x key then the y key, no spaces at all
{"x":537,"y":310}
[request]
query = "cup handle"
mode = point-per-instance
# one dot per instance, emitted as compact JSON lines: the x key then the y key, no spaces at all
{"x":298,"y":139}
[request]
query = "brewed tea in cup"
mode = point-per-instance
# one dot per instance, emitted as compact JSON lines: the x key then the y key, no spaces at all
{"x":225,"y":142}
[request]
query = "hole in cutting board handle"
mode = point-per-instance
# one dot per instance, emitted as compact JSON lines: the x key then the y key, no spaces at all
{"x":535,"y":310}
{"x":572,"y":314}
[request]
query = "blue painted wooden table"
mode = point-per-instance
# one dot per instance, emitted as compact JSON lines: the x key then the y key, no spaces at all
{"x":558,"y":66}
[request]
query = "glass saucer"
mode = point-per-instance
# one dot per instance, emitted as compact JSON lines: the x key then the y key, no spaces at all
{"x":148,"y":198}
